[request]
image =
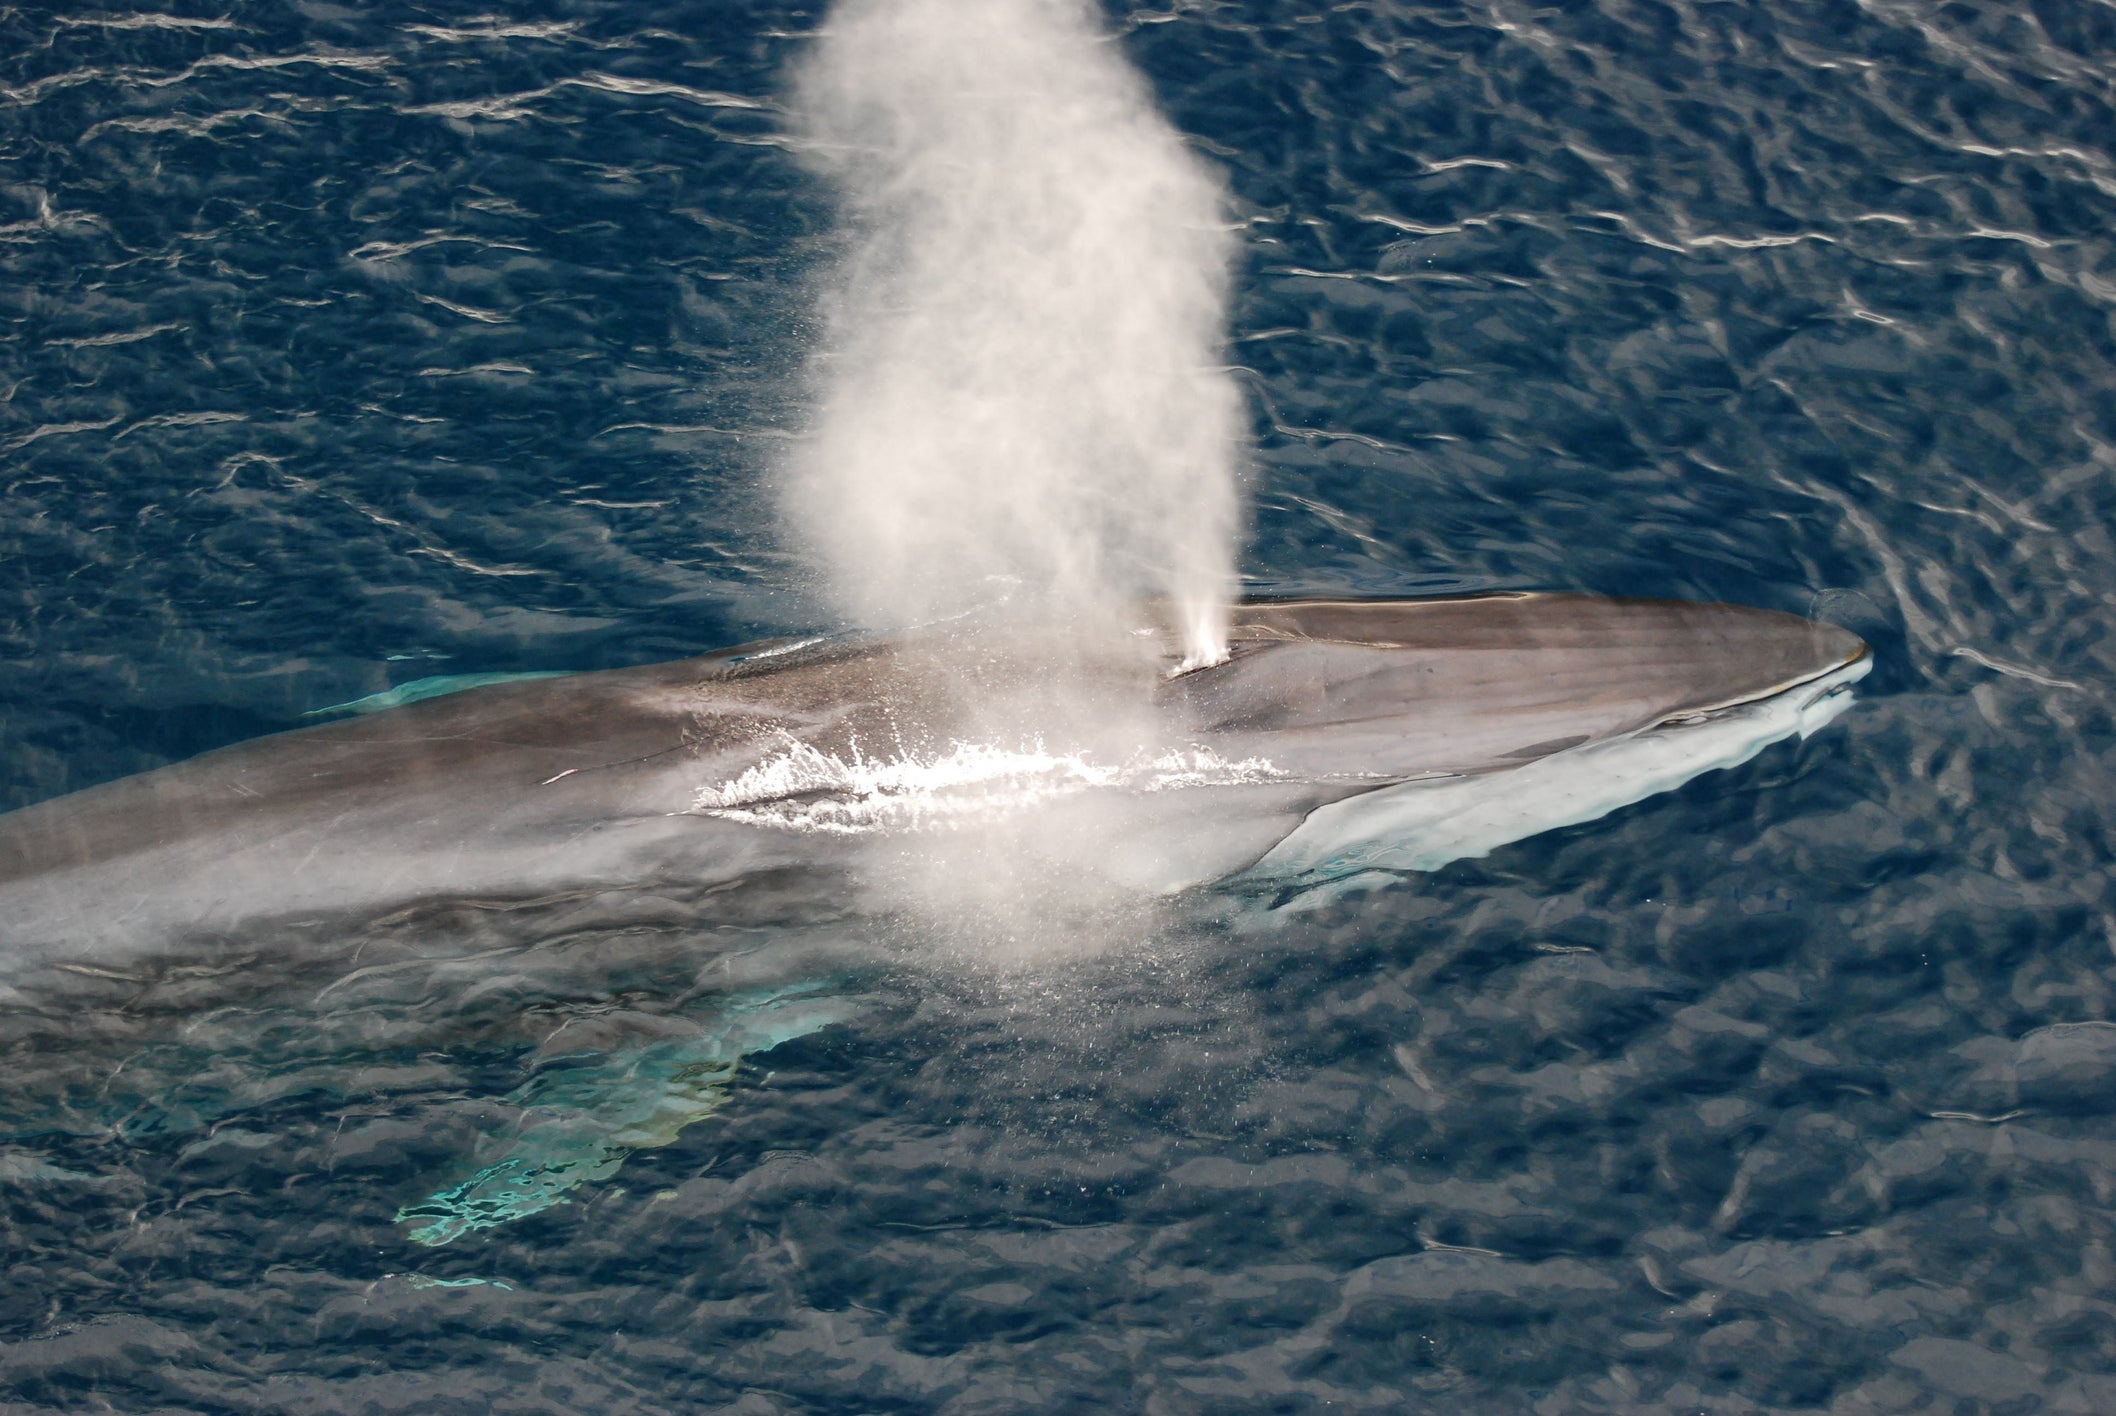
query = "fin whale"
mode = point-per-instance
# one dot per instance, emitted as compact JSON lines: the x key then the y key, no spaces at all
{"x":612,"y":887}
{"x":702,"y":774}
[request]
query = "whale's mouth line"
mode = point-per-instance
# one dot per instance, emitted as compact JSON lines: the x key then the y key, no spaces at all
{"x":1840,"y":676}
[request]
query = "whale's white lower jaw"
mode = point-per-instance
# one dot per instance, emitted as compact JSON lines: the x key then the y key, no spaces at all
{"x":1422,"y":825}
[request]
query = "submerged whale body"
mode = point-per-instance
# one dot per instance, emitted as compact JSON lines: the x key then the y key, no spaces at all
{"x":1332,"y":730}
{"x":614,"y":886}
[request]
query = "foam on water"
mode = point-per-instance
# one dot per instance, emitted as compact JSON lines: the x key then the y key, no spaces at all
{"x":806,"y":789}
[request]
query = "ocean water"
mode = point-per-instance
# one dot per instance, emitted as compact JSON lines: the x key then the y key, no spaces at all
{"x":347,"y":347}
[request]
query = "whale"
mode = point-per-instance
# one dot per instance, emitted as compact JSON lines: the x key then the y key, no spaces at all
{"x":700,"y":774}
{"x":702,"y":839}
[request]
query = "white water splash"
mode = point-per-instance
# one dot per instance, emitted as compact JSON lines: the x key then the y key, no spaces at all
{"x":805,"y":789}
{"x":1020,"y":391}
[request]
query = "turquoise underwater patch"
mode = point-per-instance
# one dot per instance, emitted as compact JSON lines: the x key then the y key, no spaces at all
{"x":584,"y":1117}
{"x":438,"y":686}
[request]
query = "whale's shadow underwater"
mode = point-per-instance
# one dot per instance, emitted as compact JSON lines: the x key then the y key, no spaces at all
{"x":577,"y":903}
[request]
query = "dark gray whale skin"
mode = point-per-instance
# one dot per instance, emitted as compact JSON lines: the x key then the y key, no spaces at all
{"x":585,"y":788}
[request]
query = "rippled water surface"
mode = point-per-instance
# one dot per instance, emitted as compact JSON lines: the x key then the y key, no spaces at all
{"x":342,"y":347}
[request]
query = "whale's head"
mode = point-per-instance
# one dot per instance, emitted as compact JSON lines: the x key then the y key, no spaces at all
{"x":1402,"y":688}
{"x":1436,"y":730}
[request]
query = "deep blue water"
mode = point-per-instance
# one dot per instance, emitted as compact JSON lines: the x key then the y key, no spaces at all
{"x":344,"y":346}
